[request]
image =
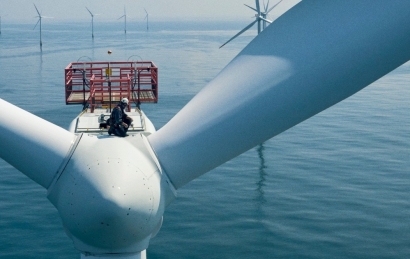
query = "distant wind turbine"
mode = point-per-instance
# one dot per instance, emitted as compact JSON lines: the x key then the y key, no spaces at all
{"x":0,"y":21}
{"x":112,"y":203}
{"x":260,"y":16}
{"x":39,"y":21}
{"x":92,"y":21}
{"x":267,"y":11}
{"x":146,"y":17}
{"x":125,"y":21}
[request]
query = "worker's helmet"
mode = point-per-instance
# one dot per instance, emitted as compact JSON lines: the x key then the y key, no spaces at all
{"x":124,"y":101}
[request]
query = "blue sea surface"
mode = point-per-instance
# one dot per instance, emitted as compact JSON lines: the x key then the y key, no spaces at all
{"x":334,"y":186}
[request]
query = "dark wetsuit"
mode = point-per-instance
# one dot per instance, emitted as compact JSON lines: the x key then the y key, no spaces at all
{"x":117,"y":118}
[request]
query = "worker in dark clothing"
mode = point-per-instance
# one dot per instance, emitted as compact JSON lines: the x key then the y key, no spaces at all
{"x":119,"y":121}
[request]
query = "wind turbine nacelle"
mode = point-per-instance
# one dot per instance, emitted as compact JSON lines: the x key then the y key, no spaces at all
{"x":111,"y":194}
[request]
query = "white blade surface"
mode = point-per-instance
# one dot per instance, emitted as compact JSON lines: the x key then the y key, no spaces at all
{"x":266,"y":6}
{"x":92,"y":15}
{"x":34,"y":146}
{"x":272,"y":7}
{"x":37,"y":10}
{"x":36,"y":23}
{"x":239,"y":33}
{"x":251,"y":7}
{"x":266,"y":20}
{"x":313,"y":56}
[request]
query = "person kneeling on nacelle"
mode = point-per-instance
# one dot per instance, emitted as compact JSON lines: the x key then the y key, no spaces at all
{"x":119,"y":121}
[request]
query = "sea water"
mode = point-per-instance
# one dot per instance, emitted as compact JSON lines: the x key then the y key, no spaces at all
{"x":334,"y":186}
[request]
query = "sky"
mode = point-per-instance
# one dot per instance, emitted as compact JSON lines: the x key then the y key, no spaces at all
{"x":23,"y":11}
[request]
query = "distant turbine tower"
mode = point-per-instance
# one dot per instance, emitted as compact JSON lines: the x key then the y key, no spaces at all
{"x":266,"y":12}
{"x":0,"y":21}
{"x":260,"y":16}
{"x":39,"y":21}
{"x":146,"y":17}
{"x":112,"y":203}
{"x":125,"y":21}
{"x":92,"y":21}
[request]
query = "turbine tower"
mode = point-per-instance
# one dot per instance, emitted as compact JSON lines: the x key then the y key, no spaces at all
{"x":125,"y":21}
{"x":92,"y":22}
{"x":266,"y":12}
{"x":146,"y":17}
{"x":260,"y":16}
{"x":112,"y":203}
{"x":39,"y":21}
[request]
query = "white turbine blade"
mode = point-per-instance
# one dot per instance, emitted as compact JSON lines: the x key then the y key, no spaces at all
{"x":266,"y":20}
{"x":292,"y":71}
{"x":266,"y":6}
{"x":239,"y":33}
{"x":37,"y":23}
{"x":146,"y":11}
{"x":37,"y":10}
{"x":251,"y":7}
{"x":273,"y":7}
{"x":34,"y":146}
{"x":89,"y":11}
{"x":121,"y":17}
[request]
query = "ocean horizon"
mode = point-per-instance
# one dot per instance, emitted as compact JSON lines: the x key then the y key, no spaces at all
{"x":334,"y":186}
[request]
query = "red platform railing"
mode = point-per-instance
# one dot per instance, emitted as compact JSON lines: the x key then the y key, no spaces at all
{"x":103,"y":84}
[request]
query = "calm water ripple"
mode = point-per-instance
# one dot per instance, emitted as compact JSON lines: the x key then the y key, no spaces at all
{"x":334,"y":186}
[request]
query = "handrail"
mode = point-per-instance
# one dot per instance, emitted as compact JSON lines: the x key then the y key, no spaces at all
{"x":121,"y":79}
